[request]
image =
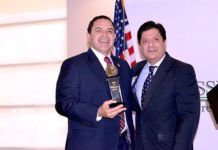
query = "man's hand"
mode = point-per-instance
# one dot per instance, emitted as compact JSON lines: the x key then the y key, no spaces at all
{"x":105,"y":111}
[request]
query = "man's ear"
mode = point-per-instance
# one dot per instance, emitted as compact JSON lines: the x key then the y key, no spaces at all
{"x":140,"y":51}
{"x":140,"y":48}
{"x":165,"y":43}
{"x":88,"y":37}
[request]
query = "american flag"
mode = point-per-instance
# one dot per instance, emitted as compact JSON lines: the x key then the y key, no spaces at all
{"x":123,"y":43}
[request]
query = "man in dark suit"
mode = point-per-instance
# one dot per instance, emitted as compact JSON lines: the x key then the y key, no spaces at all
{"x":83,"y":94}
{"x":168,"y":104}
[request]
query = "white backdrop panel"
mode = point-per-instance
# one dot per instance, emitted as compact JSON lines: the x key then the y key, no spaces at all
{"x":192,"y":35}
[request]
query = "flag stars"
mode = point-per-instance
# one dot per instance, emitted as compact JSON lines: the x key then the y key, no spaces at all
{"x":121,"y":45}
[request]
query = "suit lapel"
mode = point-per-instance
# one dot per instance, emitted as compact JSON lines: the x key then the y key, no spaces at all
{"x":96,"y":66}
{"x":159,"y":77}
{"x":136,"y":72}
{"x":116,"y":63}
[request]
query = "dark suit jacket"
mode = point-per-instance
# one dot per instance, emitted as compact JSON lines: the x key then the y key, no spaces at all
{"x":81,"y":89}
{"x":170,"y":115}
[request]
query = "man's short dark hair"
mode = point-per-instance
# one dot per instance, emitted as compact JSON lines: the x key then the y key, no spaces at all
{"x":89,"y":29}
{"x":150,"y":25}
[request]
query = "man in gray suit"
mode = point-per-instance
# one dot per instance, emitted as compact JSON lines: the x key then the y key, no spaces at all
{"x":168,"y":102}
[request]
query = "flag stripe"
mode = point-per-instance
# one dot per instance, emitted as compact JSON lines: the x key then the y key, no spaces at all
{"x":131,"y":50}
{"x":128,"y":36}
{"x":123,"y":43}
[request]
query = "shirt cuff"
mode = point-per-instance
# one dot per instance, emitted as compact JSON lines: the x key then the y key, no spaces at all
{"x":98,"y":118}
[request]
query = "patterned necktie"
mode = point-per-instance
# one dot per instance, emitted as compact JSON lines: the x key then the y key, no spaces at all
{"x":122,"y":121}
{"x":121,"y":115}
{"x":146,"y":84}
{"x":107,"y":60}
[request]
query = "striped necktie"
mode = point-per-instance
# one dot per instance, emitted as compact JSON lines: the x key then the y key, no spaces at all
{"x":122,"y":121}
{"x":107,"y":60}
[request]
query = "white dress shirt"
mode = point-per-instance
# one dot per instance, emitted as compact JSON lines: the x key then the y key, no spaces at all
{"x":104,"y":65}
{"x":142,"y":77}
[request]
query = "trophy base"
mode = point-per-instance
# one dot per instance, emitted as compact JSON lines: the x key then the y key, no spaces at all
{"x":112,"y":105}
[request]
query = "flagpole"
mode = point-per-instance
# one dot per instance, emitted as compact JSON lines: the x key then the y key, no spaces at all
{"x":124,"y":41}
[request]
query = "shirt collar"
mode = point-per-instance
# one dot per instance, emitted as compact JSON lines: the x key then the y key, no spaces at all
{"x":100,"y":57}
{"x":159,"y":62}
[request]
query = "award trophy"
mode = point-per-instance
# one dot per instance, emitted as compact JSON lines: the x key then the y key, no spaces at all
{"x":114,"y":85}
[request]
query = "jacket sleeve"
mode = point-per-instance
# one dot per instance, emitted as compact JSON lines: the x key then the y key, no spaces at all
{"x":68,"y":101}
{"x":188,"y":108}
